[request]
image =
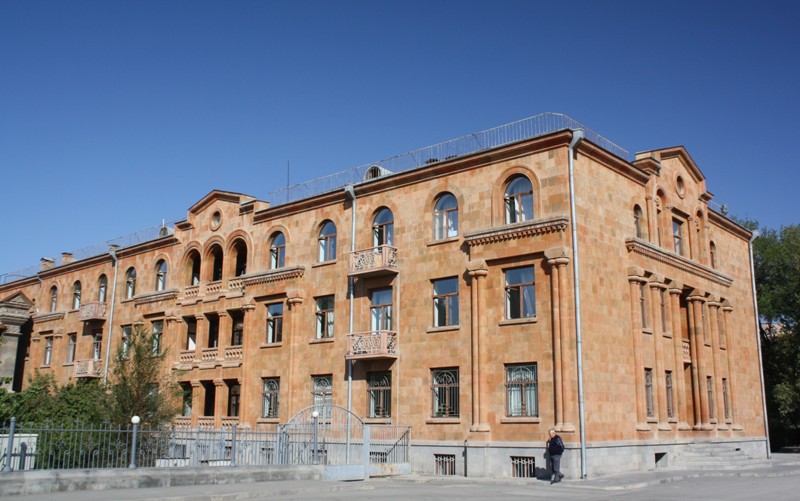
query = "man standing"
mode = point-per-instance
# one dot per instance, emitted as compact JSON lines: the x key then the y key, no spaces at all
{"x":555,"y":447}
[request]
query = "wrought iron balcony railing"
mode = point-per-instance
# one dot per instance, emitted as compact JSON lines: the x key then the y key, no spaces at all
{"x":372,"y":345}
{"x":87,"y":368}
{"x":374,"y":261}
{"x":93,"y":311}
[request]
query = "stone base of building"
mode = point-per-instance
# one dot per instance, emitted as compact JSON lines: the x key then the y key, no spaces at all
{"x":527,"y":459}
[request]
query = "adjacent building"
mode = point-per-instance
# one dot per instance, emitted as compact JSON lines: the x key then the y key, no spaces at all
{"x":527,"y":277}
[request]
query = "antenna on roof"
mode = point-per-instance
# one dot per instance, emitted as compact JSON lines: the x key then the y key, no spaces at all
{"x":288,"y":165}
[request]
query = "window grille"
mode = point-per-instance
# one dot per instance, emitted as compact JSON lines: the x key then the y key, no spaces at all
{"x":379,"y":387}
{"x":445,"y":392}
{"x":444,"y":464}
{"x":322,"y":394}
{"x":272,"y":388}
{"x":670,"y":398}
{"x":378,"y":457}
{"x":523,"y":467}
{"x":521,"y":391}
{"x":710,"y":389}
{"x":648,"y":387}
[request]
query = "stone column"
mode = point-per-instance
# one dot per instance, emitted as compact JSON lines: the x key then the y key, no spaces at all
{"x":201,"y":334}
{"x":198,"y":399}
{"x":220,"y":401}
{"x":224,"y":334}
{"x":635,"y":280}
{"x":477,"y":272}
{"x":675,"y":291}
{"x":699,"y":369}
{"x":730,"y":353}
{"x":659,"y":329}
{"x":716,"y":368}
{"x":555,"y":301}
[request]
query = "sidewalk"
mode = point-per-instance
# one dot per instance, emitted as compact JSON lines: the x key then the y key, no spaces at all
{"x":781,"y":465}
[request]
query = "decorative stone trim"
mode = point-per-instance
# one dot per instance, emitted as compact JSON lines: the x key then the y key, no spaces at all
{"x":273,"y":275}
{"x":154,"y":297}
{"x":656,"y":253}
{"x":48,"y":317}
{"x":525,"y":229}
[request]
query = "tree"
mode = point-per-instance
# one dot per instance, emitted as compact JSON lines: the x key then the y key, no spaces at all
{"x":137,"y":387}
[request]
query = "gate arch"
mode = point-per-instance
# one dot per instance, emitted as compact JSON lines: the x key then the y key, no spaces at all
{"x":338,"y":433}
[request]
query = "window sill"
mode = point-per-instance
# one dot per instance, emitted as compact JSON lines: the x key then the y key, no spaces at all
{"x":324,"y":263}
{"x":446,"y":328}
{"x":520,"y":420}
{"x":652,"y":420}
{"x":647,"y":330}
{"x":668,"y":336}
{"x":270,"y":345}
{"x":323,"y":340}
{"x":518,"y":321}
{"x":448,"y":240}
{"x":68,"y":364}
{"x":378,"y":420}
{"x":44,"y":366}
{"x":268,"y":420}
{"x":443,"y":420}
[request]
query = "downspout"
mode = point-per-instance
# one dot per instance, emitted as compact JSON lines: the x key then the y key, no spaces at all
{"x":756,"y":234}
{"x":113,"y":253}
{"x":577,"y":137}
{"x":351,"y":194}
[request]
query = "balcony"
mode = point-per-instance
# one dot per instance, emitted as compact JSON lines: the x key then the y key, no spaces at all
{"x":374,"y":261}
{"x":87,"y":368}
{"x":371,"y":345}
{"x":93,"y":311}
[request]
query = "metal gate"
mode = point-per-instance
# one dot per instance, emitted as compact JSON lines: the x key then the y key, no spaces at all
{"x":326,"y":434}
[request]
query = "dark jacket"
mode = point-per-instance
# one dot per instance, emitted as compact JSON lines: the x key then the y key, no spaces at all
{"x":555,"y":446}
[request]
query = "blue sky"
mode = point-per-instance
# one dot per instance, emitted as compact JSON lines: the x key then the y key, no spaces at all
{"x":115,"y":115}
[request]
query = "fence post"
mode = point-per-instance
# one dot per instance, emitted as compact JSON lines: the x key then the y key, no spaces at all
{"x":233,"y":445}
{"x":135,"y":420}
{"x":10,"y":448}
{"x":365,"y":459}
{"x":315,"y":414}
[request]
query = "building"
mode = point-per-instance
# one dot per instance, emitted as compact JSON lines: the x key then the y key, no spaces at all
{"x":444,"y":296}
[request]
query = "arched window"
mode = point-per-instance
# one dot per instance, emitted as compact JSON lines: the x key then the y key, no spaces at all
{"x":194,"y":267}
{"x":327,"y":242}
{"x":277,"y":251}
{"x":130,"y":283}
{"x":240,"y":248}
{"x":445,"y":217}
{"x":712,"y":254}
{"x":76,"y":295}
{"x":102,"y":289}
{"x":383,"y":228}
{"x":53,"y":298}
{"x":518,"y":200}
{"x":217,"y":259}
{"x":638,"y":221}
{"x":161,"y":275}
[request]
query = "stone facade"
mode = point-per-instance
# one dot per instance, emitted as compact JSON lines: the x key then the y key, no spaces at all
{"x":459,"y":319}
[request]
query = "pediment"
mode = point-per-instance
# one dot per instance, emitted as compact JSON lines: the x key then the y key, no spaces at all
{"x":17,"y":300}
{"x":680,"y":154}
{"x":218,"y":195}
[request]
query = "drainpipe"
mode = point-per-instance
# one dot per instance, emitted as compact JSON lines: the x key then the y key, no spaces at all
{"x":756,"y":234}
{"x":351,"y":194}
{"x":577,"y":137}
{"x":113,"y":253}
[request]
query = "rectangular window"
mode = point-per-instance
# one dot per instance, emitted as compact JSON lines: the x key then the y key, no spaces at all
{"x":663,"y":298}
{"x":381,"y":310}
{"x":271,"y":393}
{"x":158,"y":330}
{"x":445,"y":302}
{"x":444,"y":386}
{"x":670,"y":397}
{"x":710,"y":390}
{"x":521,"y":391}
{"x":234,"y":394}
{"x":48,"y":350}
{"x":643,"y":305}
{"x":237,"y":328}
{"x":726,"y":399}
{"x":648,"y":392}
{"x":274,"y":323}
{"x":721,"y":329}
{"x":523,"y":467}
{"x":444,"y":464}
{"x":72,"y":342}
{"x":126,"y":339}
{"x":520,"y":293}
{"x":191,"y":333}
{"x":677,"y":235}
{"x":379,"y":394}
{"x":186,"y":389}
{"x":213,"y":330}
{"x":325,"y":317}
{"x":97,"y":344}
{"x":322,"y":392}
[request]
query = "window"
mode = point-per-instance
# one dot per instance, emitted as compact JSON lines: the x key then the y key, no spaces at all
{"x":639,"y":222}
{"x":518,"y":200}
{"x":240,"y":248}
{"x":97,"y":344}
{"x":522,"y":391}
{"x":712,"y":253}
{"x":648,"y":392}
{"x":102,"y":289}
{"x":191,"y":333}
{"x":234,"y":395}
{"x":670,"y":396}
{"x":523,"y":466}
{"x":72,"y":340}
{"x":383,"y":228}
{"x":48,"y":350}
{"x":327,"y":242}
{"x":726,"y":399}
{"x":277,"y":251}
{"x":710,"y":390}
{"x":161,"y":275}
{"x":520,"y":293}
{"x":237,"y":328}
{"x":677,"y":235}
{"x":126,"y":340}
{"x":643,"y":305}
{"x":158,"y":330}
{"x":218,"y":260}
{"x":274,"y":323}
{"x":445,"y":392}
{"x":272,"y":387}
{"x":379,"y":394}
{"x":445,"y":217}
{"x":130,"y":283}
{"x":194,"y":266}
{"x":76,"y":295}
{"x":325,"y":317}
{"x":322,"y":392}
{"x":445,"y":302}
{"x":381,"y":310}
{"x":662,"y":294}
{"x":186,"y":389}
{"x":213,"y":330}
{"x":53,"y":298}
{"x":444,"y":465}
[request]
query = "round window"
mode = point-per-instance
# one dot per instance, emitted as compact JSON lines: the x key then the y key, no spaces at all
{"x":680,"y":187}
{"x":216,"y":220}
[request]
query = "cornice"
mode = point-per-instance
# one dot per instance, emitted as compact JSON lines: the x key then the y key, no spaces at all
{"x":75,"y":266}
{"x":655,"y":253}
{"x":47,"y":317}
{"x":613,"y":162}
{"x":154,"y":297}
{"x":726,"y":224}
{"x":515,"y":231}
{"x":148,"y":246}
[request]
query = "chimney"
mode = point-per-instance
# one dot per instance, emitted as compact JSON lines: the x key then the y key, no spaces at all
{"x":47,"y":263}
{"x":66,"y":258}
